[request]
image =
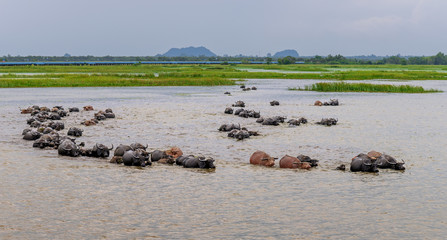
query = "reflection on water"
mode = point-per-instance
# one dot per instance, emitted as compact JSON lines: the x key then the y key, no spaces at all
{"x":44,"y":195}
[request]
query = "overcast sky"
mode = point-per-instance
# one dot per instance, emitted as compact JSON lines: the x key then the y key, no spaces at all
{"x":248,"y":27}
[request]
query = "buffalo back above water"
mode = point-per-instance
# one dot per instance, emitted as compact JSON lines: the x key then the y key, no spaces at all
{"x":262,"y":158}
{"x":292,"y":162}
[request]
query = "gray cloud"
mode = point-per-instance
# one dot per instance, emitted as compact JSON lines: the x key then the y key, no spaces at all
{"x":251,"y":27}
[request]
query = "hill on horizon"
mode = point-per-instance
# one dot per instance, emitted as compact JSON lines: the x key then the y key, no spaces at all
{"x":189,"y":52}
{"x":285,"y":53}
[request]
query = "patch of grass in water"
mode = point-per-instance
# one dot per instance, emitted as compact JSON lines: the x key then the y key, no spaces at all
{"x":363,"y":87}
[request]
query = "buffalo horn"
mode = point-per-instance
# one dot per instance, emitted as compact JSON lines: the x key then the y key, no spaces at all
{"x":112,"y":147}
{"x":133,"y":155}
{"x":389,"y":162}
{"x":99,"y":146}
{"x":147,"y":145}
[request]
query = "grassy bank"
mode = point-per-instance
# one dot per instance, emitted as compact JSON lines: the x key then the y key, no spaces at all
{"x":85,"y":80}
{"x":363,"y":87}
{"x":204,"y":75}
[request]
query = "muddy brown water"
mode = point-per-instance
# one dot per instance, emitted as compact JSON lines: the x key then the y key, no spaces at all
{"x":46,"y":196}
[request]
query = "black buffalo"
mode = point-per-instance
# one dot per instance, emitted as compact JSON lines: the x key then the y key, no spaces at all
{"x":74,"y":131}
{"x":386,"y":161}
{"x":69,"y":148}
{"x":363,"y":163}
{"x":199,"y":162}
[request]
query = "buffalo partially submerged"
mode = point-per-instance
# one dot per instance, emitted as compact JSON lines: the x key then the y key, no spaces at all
{"x":292,"y":162}
{"x":88,"y":108}
{"x":138,"y":158}
{"x":332,"y":102}
{"x":297,"y":122}
{"x":239,"y":134}
{"x":262,"y":158}
{"x":275,"y":121}
{"x":69,"y":148}
{"x":249,"y":113}
{"x":386,"y":161}
{"x":229,"y":127}
{"x":328,"y":121}
{"x":121,"y":149}
{"x":74,"y":131}
{"x":136,"y":146}
{"x":274,"y":103}
{"x":198,"y":162}
{"x":99,"y":151}
{"x":304,"y":158}
{"x":239,"y":104}
{"x":73,"y":109}
{"x":363,"y":163}
{"x":32,"y":135}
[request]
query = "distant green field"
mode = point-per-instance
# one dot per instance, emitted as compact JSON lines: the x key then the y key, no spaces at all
{"x":363,"y":87}
{"x":202,"y":75}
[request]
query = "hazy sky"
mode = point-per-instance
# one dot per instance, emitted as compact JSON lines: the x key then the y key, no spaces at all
{"x":249,"y":27}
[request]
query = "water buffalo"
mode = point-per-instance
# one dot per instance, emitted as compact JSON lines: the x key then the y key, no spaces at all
{"x":57,"y":125}
{"x":181,"y":159}
{"x":318,"y":103}
{"x":386,"y":161}
{"x":275,"y":121}
{"x":304,"y":158}
{"x":292,"y":162}
{"x":73,"y":109}
{"x":328,"y":121}
{"x":239,"y":134}
{"x":274,"y":103}
{"x":229,"y":127}
{"x":26,"y":110}
{"x":74,"y":131}
{"x":238,"y":111}
{"x":89,"y":122}
{"x":100,"y":116}
{"x":88,"y":108}
{"x":136,"y":146}
{"x":242,"y":86}
{"x":228,"y":93}
{"x":246,"y":89}
{"x":199,"y":162}
{"x":121,"y":149}
{"x":156,"y":155}
{"x":62,"y":113}
{"x":239,"y":104}
{"x":68,"y":148}
{"x":45,"y":140}
{"x":32,"y":135}
{"x":135,"y":158}
{"x":175,"y":152}
{"x":363,"y":163}
{"x":249,"y":113}
{"x":332,"y":102}
{"x":262,"y":158}
{"x":100,"y":150}
{"x":109,"y":115}
{"x":228,"y":110}
{"x":342,"y":167}
{"x":254,"y":88}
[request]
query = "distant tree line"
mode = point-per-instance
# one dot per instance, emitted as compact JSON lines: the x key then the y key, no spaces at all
{"x":438,"y":59}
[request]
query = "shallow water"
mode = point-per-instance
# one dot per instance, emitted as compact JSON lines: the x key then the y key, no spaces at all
{"x":46,"y":196}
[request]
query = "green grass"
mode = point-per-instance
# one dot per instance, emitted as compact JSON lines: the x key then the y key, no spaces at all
{"x":363,"y":87}
{"x":85,"y":80}
{"x":202,"y":75}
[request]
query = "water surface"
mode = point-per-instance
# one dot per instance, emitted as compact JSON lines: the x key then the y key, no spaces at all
{"x":46,"y":196}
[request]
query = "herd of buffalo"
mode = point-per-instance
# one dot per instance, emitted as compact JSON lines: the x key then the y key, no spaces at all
{"x":45,"y":130}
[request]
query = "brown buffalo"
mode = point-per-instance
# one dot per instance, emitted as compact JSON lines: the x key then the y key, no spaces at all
{"x":262,"y":158}
{"x":88,"y":108}
{"x":175,"y":152}
{"x":292,"y":162}
{"x":318,"y":103}
{"x":374,"y":155}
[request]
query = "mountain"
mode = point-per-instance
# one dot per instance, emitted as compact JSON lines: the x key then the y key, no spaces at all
{"x":285,"y":53}
{"x":189,"y":52}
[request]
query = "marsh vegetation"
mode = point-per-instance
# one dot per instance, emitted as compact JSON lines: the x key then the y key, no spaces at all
{"x":202,"y":75}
